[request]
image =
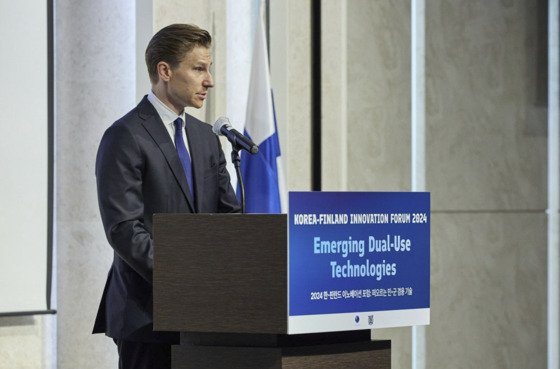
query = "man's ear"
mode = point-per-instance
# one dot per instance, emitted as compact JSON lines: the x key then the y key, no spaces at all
{"x":164,"y":71}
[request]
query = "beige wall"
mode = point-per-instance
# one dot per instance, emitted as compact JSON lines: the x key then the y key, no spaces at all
{"x":485,"y":164}
{"x":378,"y":75}
{"x":485,"y":159}
{"x":486,"y":155}
{"x":95,"y":85}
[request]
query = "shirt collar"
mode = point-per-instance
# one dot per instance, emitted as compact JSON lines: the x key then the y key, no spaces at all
{"x":167,"y":115}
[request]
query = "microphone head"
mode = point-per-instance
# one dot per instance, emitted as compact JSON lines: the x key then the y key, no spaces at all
{"x":254,"y":149}
{"x":221,"y":122}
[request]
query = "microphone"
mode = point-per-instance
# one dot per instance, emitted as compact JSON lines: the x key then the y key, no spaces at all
{"x":222,"y":127}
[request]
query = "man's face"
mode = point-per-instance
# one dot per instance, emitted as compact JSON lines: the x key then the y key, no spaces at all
{"x":189,"y":81}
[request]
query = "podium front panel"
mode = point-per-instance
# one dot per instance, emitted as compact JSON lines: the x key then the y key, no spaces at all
{"x":220,"y":273}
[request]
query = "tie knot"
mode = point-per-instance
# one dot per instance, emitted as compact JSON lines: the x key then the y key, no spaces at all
{"x":178,"y":124}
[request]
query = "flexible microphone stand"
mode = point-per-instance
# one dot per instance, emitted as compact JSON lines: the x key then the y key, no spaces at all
{"x":236,"y":160}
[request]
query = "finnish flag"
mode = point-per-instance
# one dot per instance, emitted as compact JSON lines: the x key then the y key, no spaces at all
{"x":260,"y":171}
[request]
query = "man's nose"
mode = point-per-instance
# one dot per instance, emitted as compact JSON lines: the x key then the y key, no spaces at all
{"x":209,"y":81}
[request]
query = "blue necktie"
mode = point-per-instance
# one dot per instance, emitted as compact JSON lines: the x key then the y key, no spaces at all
{"x":183,"y":153}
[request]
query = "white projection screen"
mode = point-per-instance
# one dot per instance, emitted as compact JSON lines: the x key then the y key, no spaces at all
{"x":26,"y":149}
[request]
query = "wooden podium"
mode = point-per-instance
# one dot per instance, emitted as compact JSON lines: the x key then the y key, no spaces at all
{"x":222,"y":281}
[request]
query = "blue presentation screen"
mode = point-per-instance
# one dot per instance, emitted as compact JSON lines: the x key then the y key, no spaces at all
{"x":358,"y":260}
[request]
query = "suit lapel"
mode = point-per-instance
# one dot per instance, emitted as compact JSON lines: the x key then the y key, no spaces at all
{"x":196,"y":152}
{"x":154,"y":125}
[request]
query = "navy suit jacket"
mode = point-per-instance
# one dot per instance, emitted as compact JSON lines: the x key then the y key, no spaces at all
{"x":138,"y":174}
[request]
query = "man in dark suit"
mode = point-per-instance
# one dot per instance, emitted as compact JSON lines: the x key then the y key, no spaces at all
{"x":156,"y":159}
